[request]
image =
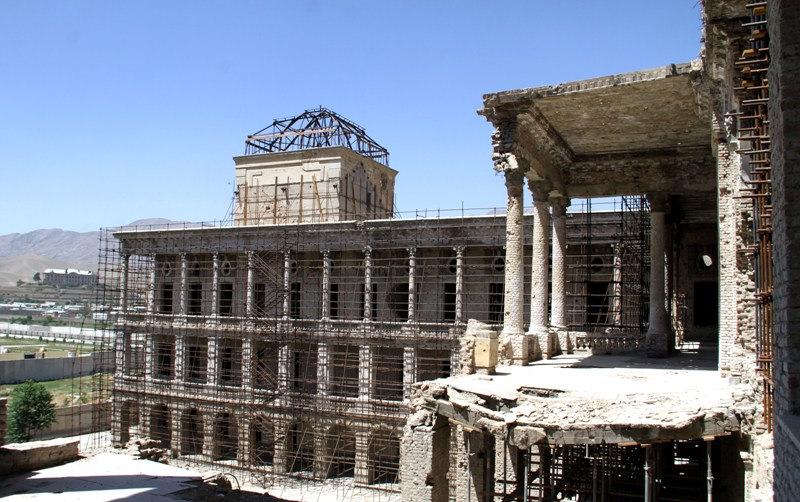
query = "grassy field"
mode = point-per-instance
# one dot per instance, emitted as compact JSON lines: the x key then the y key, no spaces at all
{"x":19,"y":346}
{"x":68,"y":391}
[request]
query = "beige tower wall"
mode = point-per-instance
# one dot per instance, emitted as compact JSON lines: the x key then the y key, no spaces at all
{"x":324,"y":184}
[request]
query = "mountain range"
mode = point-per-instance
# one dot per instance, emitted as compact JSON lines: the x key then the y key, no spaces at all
{"x":24,"y":254}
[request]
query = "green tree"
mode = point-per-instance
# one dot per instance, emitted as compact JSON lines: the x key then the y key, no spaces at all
{"x":30,"y":409}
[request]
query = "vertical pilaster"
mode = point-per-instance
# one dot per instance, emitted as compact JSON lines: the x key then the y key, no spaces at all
{"x":179,"y":351}
{"x":362,"y":474}
{"x":249,"y":295}
{"x":425,"y":454}
{"x":175,"y":429}
{"x":243,"y":453}
{"x":123,"y":284}
{"x":558,"y":302}
{"x":214,"y":287}
{"x":121,"y":351}
{"x":208,"y":433}
{"x":211,"y":367}
{"x":287,"y":270}
{"x":149,"y":355}
{"x":367,"y":283}
{"x":409,"y":370}
{"x":151,"y":289}
{"x":247,"y":362}
{"x":364,"y":372}
{"x":326,"y":285}
{"x":412,"y":284}
{"x":540,"y":270}
{"x":283,"y":369}
{"x":459,"y":284}
{"x":658,"y":330}
{"x":183,"y":294}
{"x":514,"y":301}
{"x":323,"y":368}
{"x":616,"y":279}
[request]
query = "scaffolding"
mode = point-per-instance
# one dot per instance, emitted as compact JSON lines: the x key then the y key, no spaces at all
{"x":753,"y":128}
{"x":285,"y":353}
{"x":608,"y":270}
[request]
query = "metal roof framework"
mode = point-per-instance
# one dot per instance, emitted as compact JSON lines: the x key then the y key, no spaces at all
{"x":315,"y":128}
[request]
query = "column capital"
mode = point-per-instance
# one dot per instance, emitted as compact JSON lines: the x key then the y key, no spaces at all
{"x":326,"y":253}
{"x":367,"y":251}
{"x":559,"y":205}
{"x":540,"y":189}
{"x":459,"y":250}
{"x":412,"y":251}
{"x":514,"y":179}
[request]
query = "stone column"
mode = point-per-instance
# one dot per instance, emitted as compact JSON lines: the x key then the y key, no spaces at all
{"x":540,"y":271}
{"x":243,"y":454}
{"x":283,"y":368}
{"x":249,"y":294}
{"x":323,"y":368}
{"x":179,"y":350}
{"x":658,"y":329}
{"x":409,"y":370}
{"x":121,"y":351}
{"x":175,"y":429}
{"x":367,"y":283}
{"x":287,"y":270}
{"x":151,"y":289}
{"x":247,"y":362}
{"x":280,"y":427}
{"x":123,"y":284}
{"x":364,"y":372}
{"x":211,"y":367}
{"x":425,"y":461}
{"x":208,"y":433}
{"x":149,"y":355}
{"x":326,"y":285}
{"x":459,"y":284}
{"x":616,"y":279}
{"x":558,"y":302}
{"x":412,"y":284}
{"x":215,"y":287}
{"x":514,"y":302}
{"x":362,"y":474}
{"x":183,"y":294}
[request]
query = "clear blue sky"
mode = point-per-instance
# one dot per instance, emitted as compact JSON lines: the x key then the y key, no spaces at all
{"x":116,"y":111}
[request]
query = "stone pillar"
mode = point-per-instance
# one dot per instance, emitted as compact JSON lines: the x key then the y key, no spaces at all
{"x":280,"y":428}
{"x":151,"y":289}
{"x":507,"y":466}
{"x":514,"y":302}
{"x":322,"y":460}
{"x":249,"y":294}
{"x":616,"y":279}
{"x":287,"y":270}
{"x":121,"y":345}
{"x":558,"y":302}
{"x":362,"y":474}
{"x":658,"y":329}
{"x":459,"y":284}
{"x":409,"y":370}
{"x":179,"y":350}
{"x":540,"y":271}
{"x":412,"y":284}
{"x":283,"y":368}
{"x":367,"y":283}
{"x":123,"y":284}
{"x":243,"y":454}
{"x":183,"y":294}
{"x":247,"y":362}
{"x":364,"y":372}
{"x":175,"y":430}
{"x":208,"y":433}
{"x":149,"y":355}
{"x":211,"y":367}
{"x":214,"y":287}
{"x":323,"y":368}
{"x":425,"y":460}
{"x":326,"y":285}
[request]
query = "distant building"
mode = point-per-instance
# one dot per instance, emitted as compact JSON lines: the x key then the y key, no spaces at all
{"x":69,"y":278}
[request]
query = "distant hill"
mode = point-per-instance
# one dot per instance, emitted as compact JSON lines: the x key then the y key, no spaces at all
{"x":22,"y":255}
